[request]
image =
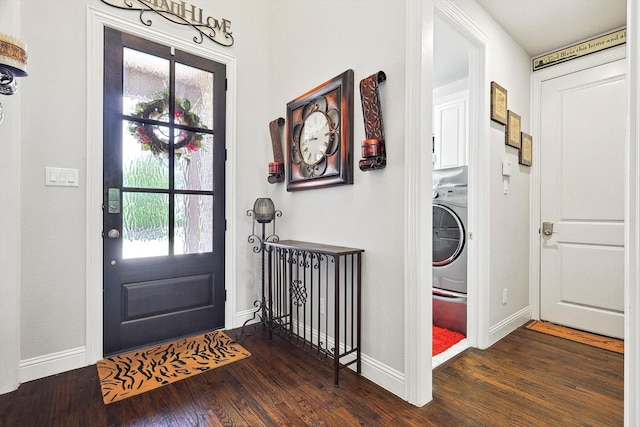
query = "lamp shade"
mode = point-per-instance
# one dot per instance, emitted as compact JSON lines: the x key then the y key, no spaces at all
{"x":13,"y":55}
{"x":264,"y":210}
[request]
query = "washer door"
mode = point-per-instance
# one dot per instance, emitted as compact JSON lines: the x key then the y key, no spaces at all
{"x":448,"y":235}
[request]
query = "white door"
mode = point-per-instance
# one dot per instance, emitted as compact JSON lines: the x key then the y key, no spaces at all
{"x":583,"y":126}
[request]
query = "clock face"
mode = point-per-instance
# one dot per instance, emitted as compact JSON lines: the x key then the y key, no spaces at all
{"x":314,"y":138}
{"x":320,"y":136}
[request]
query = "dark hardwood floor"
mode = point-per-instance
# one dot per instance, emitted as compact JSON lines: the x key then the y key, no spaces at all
{"x":526,"y":379}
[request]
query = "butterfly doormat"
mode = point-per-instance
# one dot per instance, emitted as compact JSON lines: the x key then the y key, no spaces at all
{"x":611,"y":344}
{"x":139,"y":371}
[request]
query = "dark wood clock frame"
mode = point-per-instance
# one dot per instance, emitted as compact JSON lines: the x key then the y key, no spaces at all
{"x":334,"y":99}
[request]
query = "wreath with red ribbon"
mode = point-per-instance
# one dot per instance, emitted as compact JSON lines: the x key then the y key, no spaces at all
{"x":154,"y":137}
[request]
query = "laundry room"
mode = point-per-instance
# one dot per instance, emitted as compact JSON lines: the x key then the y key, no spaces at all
{"x":450,"y":190}
{"x":480,"y":191}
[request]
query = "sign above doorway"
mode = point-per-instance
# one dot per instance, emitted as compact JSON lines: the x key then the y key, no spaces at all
{"x":181,"y":13}
{"x":586,"y":47}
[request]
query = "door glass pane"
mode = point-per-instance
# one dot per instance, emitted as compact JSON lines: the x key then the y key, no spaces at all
{"x":194,"y":97}
{"x":141,"y":167}
{"x":145,"y":79}
{"x":194,"y":224}
{"x":145,"y":225}
{"x":194,"y":163}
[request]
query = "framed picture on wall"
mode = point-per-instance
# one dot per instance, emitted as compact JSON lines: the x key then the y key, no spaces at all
{"x":498,"y":103}
{"x":526,"y":150}
{"x":512,"y":132}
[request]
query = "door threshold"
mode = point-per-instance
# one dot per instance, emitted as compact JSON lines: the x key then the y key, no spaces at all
{"x":452,"y":351}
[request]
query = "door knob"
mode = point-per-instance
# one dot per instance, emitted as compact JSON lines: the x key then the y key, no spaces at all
{"x":113,"y":233}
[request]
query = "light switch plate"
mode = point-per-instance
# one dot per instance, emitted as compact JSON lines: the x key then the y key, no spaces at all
{"x":61,"y":177}
{"x":506,"y":167}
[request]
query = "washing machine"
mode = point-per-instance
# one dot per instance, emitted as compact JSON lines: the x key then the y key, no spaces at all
{"x":450,"y":202}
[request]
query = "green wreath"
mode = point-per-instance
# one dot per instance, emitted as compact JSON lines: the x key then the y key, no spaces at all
{"x":152,"y":138}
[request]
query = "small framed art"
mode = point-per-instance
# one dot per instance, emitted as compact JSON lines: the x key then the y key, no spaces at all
{"x":498,"y":103}
{"x":512,"y":132}
{"x":526,"y":150}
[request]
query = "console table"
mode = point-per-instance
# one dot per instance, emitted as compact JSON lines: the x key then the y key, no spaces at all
{"x":314,"y":299}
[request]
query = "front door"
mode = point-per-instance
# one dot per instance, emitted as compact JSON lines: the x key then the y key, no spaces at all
{"x":583,"y":126}
{"x":164,"y":153}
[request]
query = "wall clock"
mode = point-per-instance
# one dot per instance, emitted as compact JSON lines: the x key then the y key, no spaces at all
{"x":320,"y":136}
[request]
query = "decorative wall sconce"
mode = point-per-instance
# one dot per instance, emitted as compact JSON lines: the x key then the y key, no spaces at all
{"x":374,"y":152}
{"x":276,"y":168}
{"x":263,"y":213}
{"x":13,"y":63}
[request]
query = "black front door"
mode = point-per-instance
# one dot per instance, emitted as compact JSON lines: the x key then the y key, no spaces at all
{"x":164,"y":153}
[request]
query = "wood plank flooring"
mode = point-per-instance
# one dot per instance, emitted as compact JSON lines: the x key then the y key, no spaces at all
{"x":526,"y":379}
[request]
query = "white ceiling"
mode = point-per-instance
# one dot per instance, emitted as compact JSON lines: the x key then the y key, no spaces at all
{"x":539,"y":26}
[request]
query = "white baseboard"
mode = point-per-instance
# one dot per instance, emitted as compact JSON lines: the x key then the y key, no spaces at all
{"x":51,"y":364}
{"x":381,"y":374}
{"x":244,"y":316}
{"x":508,"y":325}
{"x":67,"y":360}
{"x":384,"y":376}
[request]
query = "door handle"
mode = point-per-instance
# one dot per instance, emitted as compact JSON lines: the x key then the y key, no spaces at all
{"x":113,"y":233}
{"x":547,"y":228}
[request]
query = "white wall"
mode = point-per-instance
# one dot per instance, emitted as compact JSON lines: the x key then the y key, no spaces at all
{"x":53,"y":129}
{"x":53,"y":134}
{"x":310,"y":43}
{"x":10,"y":217}
{"x":509,"y":66}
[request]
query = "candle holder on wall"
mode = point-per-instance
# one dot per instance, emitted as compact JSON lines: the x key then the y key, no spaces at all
{"x":263,"y":213}
{"x":276,"y":168}
{"x":13,"y":63}
{"x":374,"y":152}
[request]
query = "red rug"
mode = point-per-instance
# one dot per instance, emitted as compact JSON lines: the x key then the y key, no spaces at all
{"x":443,"y":339}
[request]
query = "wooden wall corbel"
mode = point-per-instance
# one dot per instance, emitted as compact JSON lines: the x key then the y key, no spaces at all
{"x":374,"y":152}
{"x":276,"y":168}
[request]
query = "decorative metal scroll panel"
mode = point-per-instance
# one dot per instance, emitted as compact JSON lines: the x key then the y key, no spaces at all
{"x":181,"y":13}
{"x":314,"y":302}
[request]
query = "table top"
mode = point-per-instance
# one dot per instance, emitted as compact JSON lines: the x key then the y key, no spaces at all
{"x":314,"y":247}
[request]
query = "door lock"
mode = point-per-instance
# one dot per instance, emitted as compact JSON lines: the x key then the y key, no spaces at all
{"x":547,"y":228}
{"x":114,"y":201}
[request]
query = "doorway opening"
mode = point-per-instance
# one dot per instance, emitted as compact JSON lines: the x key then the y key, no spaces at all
{"x":459,"y":152}
{"x":450,"y":189}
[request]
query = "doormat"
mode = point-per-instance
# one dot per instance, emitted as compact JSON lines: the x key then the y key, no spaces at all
{"x":444,"y":339}
{"x":142,"y":370}
{"x":607,"y":343}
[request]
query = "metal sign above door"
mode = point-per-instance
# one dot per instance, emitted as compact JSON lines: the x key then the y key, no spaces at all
{"x":181,"y":13}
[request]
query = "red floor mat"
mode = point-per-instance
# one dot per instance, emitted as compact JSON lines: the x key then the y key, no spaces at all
{"x":443,"y":339}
